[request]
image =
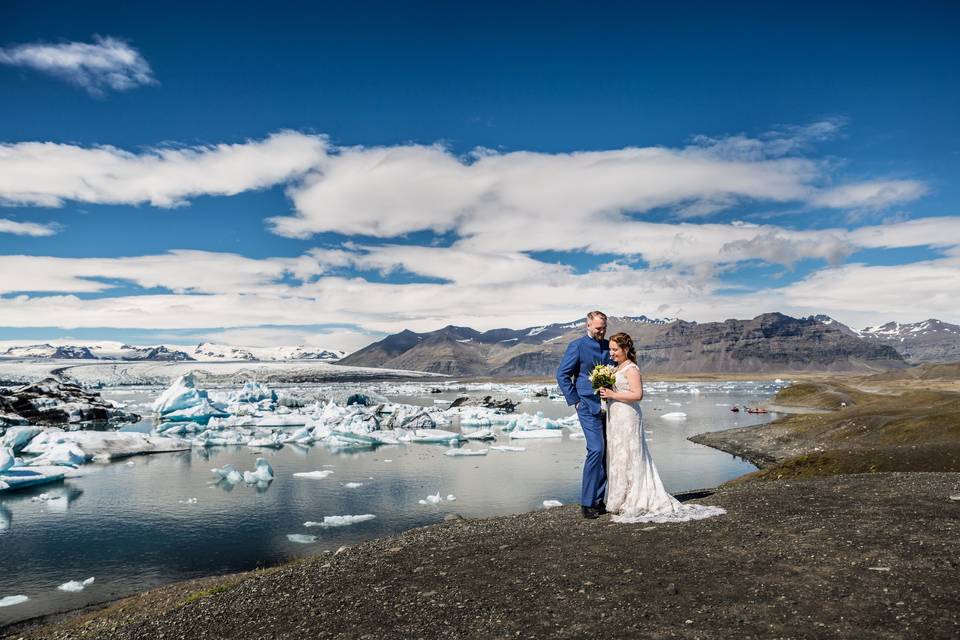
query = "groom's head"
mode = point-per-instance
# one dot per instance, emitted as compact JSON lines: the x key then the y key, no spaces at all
{"x":596,"y":324}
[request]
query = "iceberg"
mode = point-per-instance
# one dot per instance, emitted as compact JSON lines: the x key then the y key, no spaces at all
{"x":301,"y":538}
{"x":228,"y":473}
{"x":353,"y":485}
{"x":17,"y":438}
{"x":536,"y":433}
{"x":340,"y":521}
{"x":479,"y":434}
{"x":316,"y":475}
{"x":675,"y":415}
{"x":21,"y":477}
{"x":434,"y":436}
{"x":465,"y":452}
{"x":9,"y":601}
{"x":76,"y":585}
{"x":504,"y":447}
{"x":105,"y":445}
{"x":7,"y":460}
{"x":182,"y":394}
{"x":263,"y":473}
{"x":550,"y":504}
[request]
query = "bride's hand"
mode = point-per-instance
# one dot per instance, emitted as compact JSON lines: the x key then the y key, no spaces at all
{"x":606,"y":393}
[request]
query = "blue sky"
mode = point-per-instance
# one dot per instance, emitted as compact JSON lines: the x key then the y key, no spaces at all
{"x":325,"y":173}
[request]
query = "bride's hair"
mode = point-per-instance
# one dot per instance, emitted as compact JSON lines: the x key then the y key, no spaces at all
{"x":625,"y":342}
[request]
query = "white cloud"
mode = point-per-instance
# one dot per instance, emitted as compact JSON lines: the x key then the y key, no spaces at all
{"x":26,"y":228}
{"x":182,"y":271}
{"x":387,"y":192}
{"x":877,"y":194}
{"x":47,"y":173}
{"x":870,"y":294}
{"x":108,"y":63}
{"x":544,"y":200}
{"x":487,"y":290}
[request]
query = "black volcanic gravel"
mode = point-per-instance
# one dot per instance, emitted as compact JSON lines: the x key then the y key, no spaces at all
{"x":862,"y":556}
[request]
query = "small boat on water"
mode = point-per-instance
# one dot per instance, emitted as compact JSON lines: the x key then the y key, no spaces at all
{"x":735,"y":409}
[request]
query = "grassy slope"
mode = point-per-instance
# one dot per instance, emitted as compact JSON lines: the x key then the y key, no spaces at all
{"x":916,"y":430}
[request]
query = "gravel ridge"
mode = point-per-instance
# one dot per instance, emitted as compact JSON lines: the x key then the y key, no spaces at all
{"x":870,"y":555}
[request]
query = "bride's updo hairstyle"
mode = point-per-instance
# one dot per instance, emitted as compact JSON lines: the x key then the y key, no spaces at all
{"x":625,"y":342}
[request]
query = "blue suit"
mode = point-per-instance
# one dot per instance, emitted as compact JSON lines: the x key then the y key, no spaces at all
{"x":581,"y":356}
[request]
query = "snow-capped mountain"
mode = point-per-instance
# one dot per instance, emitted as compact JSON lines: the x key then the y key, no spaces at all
{"x":928,"y":341}
{"x":211,"y":351}
{"x":107,"y":350}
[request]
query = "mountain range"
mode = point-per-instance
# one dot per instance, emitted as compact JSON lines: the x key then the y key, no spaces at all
{"x":204,"y":352}
{"x":767,"y":343}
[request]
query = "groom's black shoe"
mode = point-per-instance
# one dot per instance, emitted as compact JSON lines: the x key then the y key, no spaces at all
{"x":601,"y":508}
{"x":589,"y":512}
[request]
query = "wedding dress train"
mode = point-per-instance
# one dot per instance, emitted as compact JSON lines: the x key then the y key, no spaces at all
{"x":635,"y":492}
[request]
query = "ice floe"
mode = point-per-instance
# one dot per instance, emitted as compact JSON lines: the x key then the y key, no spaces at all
{"x":550,"y":504}
{"x":466,"y":452}
{"x":9,"y":601}
{"x":76,"y":585}
{"x":316,"y":475}
{"x":301,"y":538}
{"x":340,"y":521}
{"x":675,"y":415}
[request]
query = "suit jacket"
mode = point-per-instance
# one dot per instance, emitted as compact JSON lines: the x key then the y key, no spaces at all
{"x":581,"y":356}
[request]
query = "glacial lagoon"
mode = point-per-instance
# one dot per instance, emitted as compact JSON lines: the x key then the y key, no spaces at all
{"x":153,"y":519}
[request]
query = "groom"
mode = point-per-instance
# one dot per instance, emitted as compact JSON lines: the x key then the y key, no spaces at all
{"x":573,"y":377}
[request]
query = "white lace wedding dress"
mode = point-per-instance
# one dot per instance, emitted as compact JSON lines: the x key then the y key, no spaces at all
{"x":635,"y":492}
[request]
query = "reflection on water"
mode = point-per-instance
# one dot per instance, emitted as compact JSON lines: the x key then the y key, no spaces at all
{"x":150,"y":520}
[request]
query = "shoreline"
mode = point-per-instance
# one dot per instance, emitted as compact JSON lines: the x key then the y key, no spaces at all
{"x":549,"y":573}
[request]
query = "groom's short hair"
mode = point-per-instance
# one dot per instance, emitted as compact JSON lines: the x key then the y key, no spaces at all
{"x":596,"y":314}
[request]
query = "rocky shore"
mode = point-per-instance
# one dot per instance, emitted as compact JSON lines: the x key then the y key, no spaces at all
{"x":871,"y":555}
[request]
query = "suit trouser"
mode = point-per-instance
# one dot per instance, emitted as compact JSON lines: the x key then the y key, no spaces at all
{"x":594,"y":484}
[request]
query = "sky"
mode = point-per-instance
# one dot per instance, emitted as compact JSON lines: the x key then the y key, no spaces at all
{"x":324,"y":174}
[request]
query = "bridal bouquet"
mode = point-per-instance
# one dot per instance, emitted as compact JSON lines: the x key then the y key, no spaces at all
{"x":603,"y":376}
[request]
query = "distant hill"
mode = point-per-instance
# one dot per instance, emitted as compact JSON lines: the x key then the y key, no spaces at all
{"x":769,"y":342}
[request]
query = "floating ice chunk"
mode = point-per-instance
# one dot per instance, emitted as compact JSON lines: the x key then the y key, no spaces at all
{"x":675,"y":415}
{"x":9,"y":601}
{"x":19,"y":477}
{"x":228,"y":473}
{"x":536,"y":433}
{"x":353,"y":485}
{"x":429,"y":436}
{"x":62,"y":454}
{"x":316,"y":475}
{"x":18,"y":437}
{"x":479,"y":434}
{"x":182,"y":394}
{"x":578,"y":435}
{"x":76,"y":585}
{"x":451,"y":497}
{"x":465,"y":452}
{"x":505,"y":447}
{"x":549,"y":504}
{"x":187,"y":501}
{"x":272,"y":441}
{"x":385,"y":460}
{"x":7,"y":460}
{"x":435,"y":498}
{"x":301,"y":538}
{"x":130,"y":463}
{"x":340,"y":521}
{"x":263,"y":473}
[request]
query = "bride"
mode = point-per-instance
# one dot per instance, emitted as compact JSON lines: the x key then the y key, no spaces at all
{"x":635,"y":492}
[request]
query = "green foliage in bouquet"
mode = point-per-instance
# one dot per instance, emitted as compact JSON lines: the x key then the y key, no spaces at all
{"x":603,"y":376}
